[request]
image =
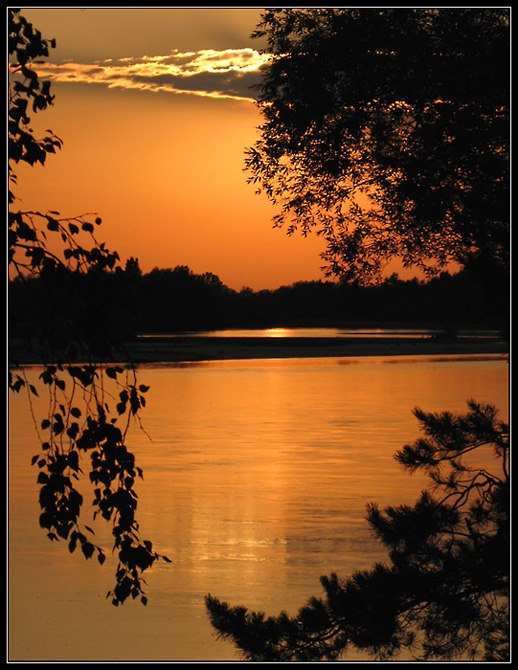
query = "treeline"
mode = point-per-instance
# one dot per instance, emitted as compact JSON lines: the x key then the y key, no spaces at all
{"x":176,"y":300}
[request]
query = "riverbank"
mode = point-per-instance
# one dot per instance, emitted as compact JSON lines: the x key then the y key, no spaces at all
{"x":165,"y":349}
{"x":158,"y":349}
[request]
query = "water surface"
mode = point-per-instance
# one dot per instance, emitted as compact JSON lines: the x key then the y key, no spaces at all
{"x":257,"y":474}
{"x":370,"y":333}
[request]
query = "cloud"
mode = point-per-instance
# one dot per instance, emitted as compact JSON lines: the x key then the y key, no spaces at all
{"x":208,"y":73}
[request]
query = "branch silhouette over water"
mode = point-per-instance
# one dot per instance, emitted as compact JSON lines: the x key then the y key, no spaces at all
{"x":71,"y":326}
{"x":444,"y":593}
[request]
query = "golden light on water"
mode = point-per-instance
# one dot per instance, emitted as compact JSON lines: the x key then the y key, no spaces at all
{"x":277,"y":332}
{"x":256,"y":478}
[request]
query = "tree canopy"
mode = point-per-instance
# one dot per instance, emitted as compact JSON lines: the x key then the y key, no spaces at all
{"x":387,"y":131}
{"x":90,"y":406}
{"x":442,"y":595}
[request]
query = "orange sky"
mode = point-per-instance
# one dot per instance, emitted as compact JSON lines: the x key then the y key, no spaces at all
{"x":155,"y":121}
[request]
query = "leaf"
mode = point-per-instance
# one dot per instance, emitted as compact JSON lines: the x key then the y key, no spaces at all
{"x":47,"y":377}
{"x":45,"y":520}
{"x":72,"y":431}
{"x":73,"y":458}
{"x":88,"y":549}
{"x":58,"y":426}
{"x":123,"y":589}
{"x":52,"y":224}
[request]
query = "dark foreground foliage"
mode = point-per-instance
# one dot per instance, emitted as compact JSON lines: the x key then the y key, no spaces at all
{"x":387,"y":131}
{"x":443,"y":594}
{"x":71,"y":325}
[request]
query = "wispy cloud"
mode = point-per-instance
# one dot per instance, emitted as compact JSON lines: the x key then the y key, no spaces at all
{"x":208,"y":73}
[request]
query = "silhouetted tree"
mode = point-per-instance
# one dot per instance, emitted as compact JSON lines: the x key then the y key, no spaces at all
{"x":132,"y":267}
{"x":444,"y":593}
{"x":75,"y":332}
{"x":135,"y":302}
{"x":387,"y":130}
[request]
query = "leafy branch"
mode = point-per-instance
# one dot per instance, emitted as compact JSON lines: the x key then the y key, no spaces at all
{"x":445,"y":592}
{"x":77,"y":336}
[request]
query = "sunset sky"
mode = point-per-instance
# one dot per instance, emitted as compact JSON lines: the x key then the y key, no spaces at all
{"x":155,"y":111}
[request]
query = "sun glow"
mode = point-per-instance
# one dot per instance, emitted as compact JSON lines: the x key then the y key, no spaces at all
{"x":277,"y":332}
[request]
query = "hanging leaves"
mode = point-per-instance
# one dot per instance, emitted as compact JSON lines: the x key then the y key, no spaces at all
{"x":79,"y":426}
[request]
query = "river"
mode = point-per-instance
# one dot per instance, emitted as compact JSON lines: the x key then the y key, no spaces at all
{"x":256,"y":478}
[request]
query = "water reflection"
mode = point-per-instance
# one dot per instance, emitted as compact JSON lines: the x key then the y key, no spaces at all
{"x":257,"y":475}
{"x":369,"y":333}
{"x":322,"y":361}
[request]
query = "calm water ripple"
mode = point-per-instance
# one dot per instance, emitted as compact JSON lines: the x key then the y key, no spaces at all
{"x":257,"y":474}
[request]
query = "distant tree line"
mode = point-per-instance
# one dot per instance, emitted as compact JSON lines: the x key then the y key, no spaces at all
{"x":177,"y":299}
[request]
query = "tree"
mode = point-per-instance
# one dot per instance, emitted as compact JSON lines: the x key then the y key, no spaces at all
{"x":387,"y":131}
{"x":72,"y":340}
{"x":444,"y":593}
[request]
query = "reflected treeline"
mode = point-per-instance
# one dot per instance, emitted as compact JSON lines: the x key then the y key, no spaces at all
{"x":177,"y":299}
